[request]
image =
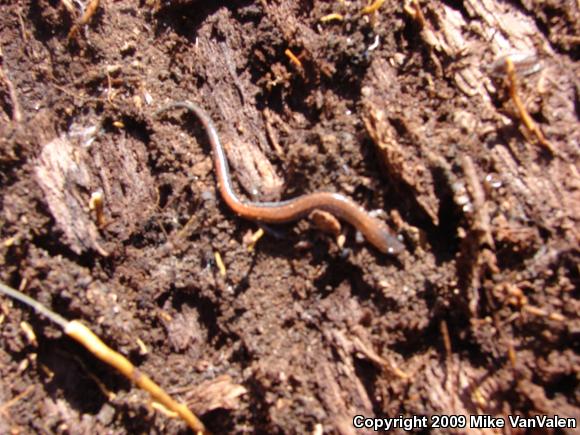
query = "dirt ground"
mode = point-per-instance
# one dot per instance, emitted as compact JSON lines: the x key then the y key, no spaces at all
{"x":409,"y":109}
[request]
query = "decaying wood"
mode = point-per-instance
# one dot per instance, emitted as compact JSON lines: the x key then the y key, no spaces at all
{"x":404,"y":163}
{"x":71,"y":168}
{"x":63,"y":175}
{"x":490,"y":220}
{"x":218,"y":393}
{"x":240,"y":125}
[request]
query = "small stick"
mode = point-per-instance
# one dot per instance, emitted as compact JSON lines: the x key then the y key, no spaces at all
{"x":524,"y":115}
{"x":415,"y":12}
{"x":294,"y":59}
{"x":4,"y":407}
{"x":446,"y":339}
{"x":220,"y":263}
{"x":332,"y":17}
{"x":253,"y":239}
{"x":373,"y":7}
{"x":95,"y":345}
{"x":86,"y":17}
{"x":96,"y":203}
{"x":16,"y":111}
{"x":35,"y":305}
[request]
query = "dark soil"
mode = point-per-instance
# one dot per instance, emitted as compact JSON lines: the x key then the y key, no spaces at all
{"x":405,"y":112}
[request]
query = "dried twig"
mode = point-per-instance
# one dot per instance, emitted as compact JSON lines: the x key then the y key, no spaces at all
{"x":373,"y":7}
{"x":95,"y":345}
{"x":84,"y":20}
{"x":524,"y":115}
{"x":16,"y":111}
{"x":294,"y":59}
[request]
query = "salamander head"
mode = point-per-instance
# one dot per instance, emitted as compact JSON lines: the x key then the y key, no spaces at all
{"x":387,"y":243}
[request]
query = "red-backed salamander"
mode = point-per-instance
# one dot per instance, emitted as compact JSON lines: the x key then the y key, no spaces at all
{"x":374,"y":230}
